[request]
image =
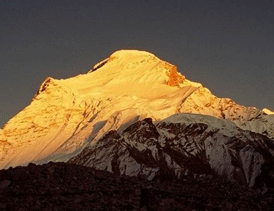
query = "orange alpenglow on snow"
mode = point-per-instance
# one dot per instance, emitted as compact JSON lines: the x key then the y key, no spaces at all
{"x":67,"y":115}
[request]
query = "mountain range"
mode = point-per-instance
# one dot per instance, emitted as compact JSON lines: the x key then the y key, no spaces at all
{"x":134,"y":114}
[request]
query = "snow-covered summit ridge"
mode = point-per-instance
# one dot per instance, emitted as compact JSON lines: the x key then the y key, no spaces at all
{"x":124,"y":56}
{"x":267,"y":111}
{"x":67,"y":115}
{"x":133,"y":59}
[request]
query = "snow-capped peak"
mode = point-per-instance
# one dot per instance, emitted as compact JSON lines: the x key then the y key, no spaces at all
{"x":68,"y":114}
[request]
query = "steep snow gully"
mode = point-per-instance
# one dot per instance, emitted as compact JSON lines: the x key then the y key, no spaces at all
{"x":135,"y":114}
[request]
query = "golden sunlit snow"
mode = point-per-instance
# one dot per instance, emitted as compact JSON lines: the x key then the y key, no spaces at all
{"x":68,"y":114}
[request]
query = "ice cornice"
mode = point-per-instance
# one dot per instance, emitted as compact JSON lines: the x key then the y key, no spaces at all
{"x":267,"y":111}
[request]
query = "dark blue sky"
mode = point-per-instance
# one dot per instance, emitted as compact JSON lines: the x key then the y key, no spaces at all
{"x":228,"y":46}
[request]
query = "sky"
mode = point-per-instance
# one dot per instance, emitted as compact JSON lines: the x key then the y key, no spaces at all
{"x":228,"y":46}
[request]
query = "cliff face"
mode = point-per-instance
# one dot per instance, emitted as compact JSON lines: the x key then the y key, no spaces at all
{"x":180,"y":149}
{"x":175,"y":78}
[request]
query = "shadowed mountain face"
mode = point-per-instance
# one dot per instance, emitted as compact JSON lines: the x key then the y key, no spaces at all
{"x":195,"y":149}
{"x":135,"y":114}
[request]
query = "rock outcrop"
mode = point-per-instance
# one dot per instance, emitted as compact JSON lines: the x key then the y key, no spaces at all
{"x":60,"y":186}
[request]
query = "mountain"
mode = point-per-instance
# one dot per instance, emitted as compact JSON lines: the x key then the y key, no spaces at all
{"x":135,"y":114}
{"x":182,"y":145}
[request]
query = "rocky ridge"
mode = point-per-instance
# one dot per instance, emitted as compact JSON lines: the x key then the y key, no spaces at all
{"x":60,"y":186}
{"x":194,"y":149}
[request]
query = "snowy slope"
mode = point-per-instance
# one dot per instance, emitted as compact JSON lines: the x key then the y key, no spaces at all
{"x":67,"y":115}
{"x":182,"y":145}
{"x":267,"y":111}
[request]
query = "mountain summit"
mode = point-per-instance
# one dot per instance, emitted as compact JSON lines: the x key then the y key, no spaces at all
{"x":135,"y":94}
